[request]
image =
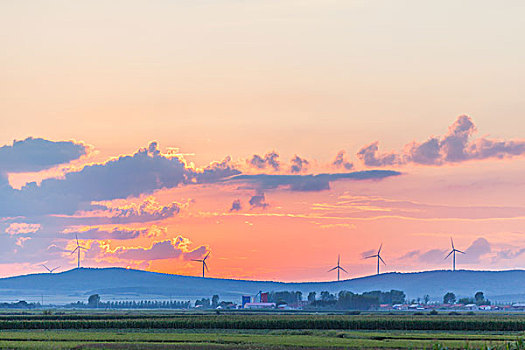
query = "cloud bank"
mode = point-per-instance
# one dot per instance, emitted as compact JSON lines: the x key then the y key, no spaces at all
{"x":144,"y":172}
{"x":455,"y":146}
{"x":306,"y":183}
{"x":36,"y":154}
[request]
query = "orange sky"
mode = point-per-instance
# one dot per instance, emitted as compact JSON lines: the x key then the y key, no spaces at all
{"x":208,"y":80}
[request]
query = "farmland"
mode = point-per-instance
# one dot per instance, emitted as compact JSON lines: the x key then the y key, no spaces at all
{"x":184,"y":330}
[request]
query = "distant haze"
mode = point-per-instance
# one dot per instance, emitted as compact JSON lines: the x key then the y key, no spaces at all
{"x":123,"y":284}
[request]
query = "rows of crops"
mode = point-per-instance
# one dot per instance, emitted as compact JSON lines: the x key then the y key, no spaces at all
{"x":369,"y":322}
{"x":274,"y":340}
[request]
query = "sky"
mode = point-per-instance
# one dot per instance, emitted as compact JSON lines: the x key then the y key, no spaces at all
{"x":272,"y":135}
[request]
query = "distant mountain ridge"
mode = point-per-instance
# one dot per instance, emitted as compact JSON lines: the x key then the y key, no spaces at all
{"x":125,"y":284}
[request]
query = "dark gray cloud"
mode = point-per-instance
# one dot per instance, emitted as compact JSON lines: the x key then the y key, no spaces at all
{"x":369,"y":155}
{"x":453,"y":147}
{"x":426,"y":153}
{"x":36,"y":154}
{"x":486,"y":148}
{"x":270,"y":160}
{"x":236,"y":205}
{"x":215,"y":172}
{"x":141,"y":173}
{"x":298,"y":165}
{"x":454,"y":143}
{"x":340,"y":161}
{"x":306,"y":183}
{"x":258,"y":201}
{"x":144,"y":172}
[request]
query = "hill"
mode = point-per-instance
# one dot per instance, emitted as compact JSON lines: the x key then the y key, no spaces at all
{"x":124,"y":284}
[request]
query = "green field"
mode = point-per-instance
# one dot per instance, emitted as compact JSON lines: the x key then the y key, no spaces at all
{"x":179,"y":330}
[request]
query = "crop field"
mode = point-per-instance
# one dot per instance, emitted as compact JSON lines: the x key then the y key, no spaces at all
{"x":179,"y":330}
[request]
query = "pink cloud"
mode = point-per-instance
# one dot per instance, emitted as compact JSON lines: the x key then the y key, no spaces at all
{"x":18,"y":228}
{"x":176,"y":248}
{"x":453,"y":147}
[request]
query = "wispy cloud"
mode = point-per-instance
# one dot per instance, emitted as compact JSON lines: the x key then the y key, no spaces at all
{"x":96,"y":233}
{"x":17,"y":228}
{"x":307,"y":183}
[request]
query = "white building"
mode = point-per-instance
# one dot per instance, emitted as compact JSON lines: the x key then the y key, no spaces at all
{"x":259,"y":306}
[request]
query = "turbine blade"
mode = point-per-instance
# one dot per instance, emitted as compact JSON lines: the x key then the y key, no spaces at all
{"x":380,"y":258}
{"x":196,"y":260}
{"x":206,"y":257}
{"x":332,"y":269}
{"x":74,"y":250}
{"x":459,"y":251}
{"x":76,"y":236}
{"x":448,"y":254}
{"x":381,"y":246}
{"x":206,"y":266}
{"x":371,"y":256}
{"x":343,"y":270}
{"x":452,"y":242}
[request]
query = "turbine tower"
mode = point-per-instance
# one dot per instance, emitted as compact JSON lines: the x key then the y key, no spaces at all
{"x":453,"y":252}
{"x":48,"y":269}
{"x":378,"y":256}
{"x":78,"y":249}
{"x":338,"y":267}
{"x":203,"y":261}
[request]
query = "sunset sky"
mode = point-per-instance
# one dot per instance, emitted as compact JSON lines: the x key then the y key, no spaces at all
{"x":274,"y":134}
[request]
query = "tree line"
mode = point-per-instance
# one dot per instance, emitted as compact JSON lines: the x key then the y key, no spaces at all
{"x":95,"y":302}
{"x":478,"y":299}
{"x":354,"y":301}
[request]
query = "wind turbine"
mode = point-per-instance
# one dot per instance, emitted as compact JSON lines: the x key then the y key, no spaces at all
{"x":203,"y":261}
{"x":378,"y":256}
{"x":48,"y":269}
{"x":78,"y":249}
{"x":453,"y":251}
{"x":338,"y":268}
